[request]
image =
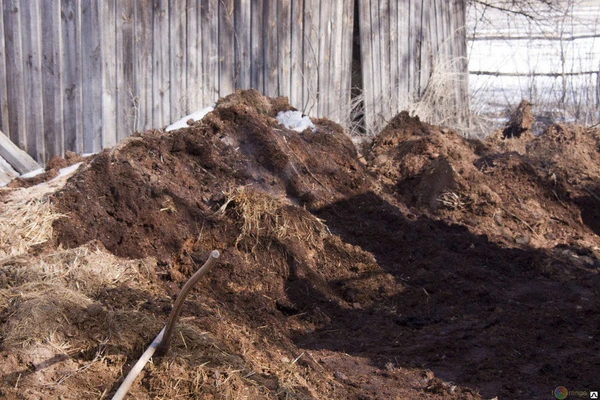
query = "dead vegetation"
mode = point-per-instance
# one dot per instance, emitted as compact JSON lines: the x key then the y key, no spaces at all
{"x":267,"y":217}
{"x":72,"y":313}
{"x":25,"y":224}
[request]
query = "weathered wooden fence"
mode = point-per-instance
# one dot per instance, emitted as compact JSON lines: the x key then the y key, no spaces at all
{"x":82,"y":74}
{"x":402,"y":42}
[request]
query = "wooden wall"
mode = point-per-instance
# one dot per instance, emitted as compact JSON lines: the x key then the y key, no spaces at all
{"x":401,"y":43}
{"x":82,"y":74}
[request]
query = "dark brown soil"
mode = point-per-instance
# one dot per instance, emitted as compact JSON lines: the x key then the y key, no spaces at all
{"x":444,"y":268}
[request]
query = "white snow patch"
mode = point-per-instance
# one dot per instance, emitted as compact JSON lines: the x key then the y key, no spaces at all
{"x":66,"y":171}
{"x":86,"y":155}
{"x":295,"y":121}
{"x":196,"y":116}
{"x":33,"y":173}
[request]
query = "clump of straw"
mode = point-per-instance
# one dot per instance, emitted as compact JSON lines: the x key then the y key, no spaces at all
{"x":24,"y":224}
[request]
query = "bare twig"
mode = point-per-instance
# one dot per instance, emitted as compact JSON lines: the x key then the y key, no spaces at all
{"x":522,"y":221}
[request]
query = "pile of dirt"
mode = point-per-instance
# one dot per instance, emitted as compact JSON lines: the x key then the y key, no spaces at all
{"x":505,"y":247}
{"x":523,"y":191}
{"x":430,"y":267}
{"x":151,"y":193}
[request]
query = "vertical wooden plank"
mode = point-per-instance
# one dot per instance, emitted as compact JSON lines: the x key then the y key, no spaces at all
{"x":32,"y":65}
{"x":335,"y":106}
{"x":452,"y":41}
{"x":270,"y":51}
{"x":394,"y":61}
{"x":454,"y":18}
{"x":464,"y":104}
{"x":177,"y":59}
{"x":442,"y":26}
{"x":243,"y":43}
{"x":366,"y":55}
{"x":257,"y":44}
{"x":193,"y":89}
{"x":426,"y":44}
{"x":109,"y":76}
{"x":14,"y":72}
{"x":284,"y":44}
{"x":71,"y":61}
{"x":439,"y":29}
{"x":387,"y":110}
{"x":324,"y":59}
{"x":376,"y":39}
{"x":415,"y":26}
{"x":296,"y":32}
{"x":4,"y":125}
{"x":227,"y":73}
{"x":91,"y":75}
{"x":124,"y":69}
{"x":52,"y":80}
{"x":404,"y":49}
{"x":347,"y":45}
{"x":310,"y":55}
{"x":161,"y":83}
{"x":243,"y":38}
{"x":143,"y":64}
{"x":598,"y":89}
{"x":210,"y":50}
{"x":200,"y":60}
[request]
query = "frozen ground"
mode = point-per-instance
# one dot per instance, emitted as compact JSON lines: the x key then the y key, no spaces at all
{"x":196,"y":116}
{"x":295,"y":120}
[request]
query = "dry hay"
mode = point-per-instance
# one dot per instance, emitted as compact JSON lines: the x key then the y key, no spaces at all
{"x":25,"y":224}
{"x":264,"y":216}
{"x":43,"y":313}
{"x":26,"y":217}
{"x":51,"y":320}
{"x":78,"y":315}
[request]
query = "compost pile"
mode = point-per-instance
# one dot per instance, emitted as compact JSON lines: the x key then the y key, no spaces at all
{"x":430,"y":266}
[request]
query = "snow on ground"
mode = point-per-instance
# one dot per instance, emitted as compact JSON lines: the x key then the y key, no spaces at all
{"x":33,"y":173}
{"x":295,"y":121}
{"x":196,"y":116}
{"x":66,"y":171}
{"x":559,"y":44}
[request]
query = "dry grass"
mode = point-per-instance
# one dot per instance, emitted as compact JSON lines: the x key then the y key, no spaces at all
{"x":264,"y":216}
{"x":77,"y":316}
{"x":438,"y":104}
{"x":235,"y":362}
{"x":47,"y":295}
{"x":88,"y":269}
{"x":25,"y":224}
{"x":43,"y":314}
